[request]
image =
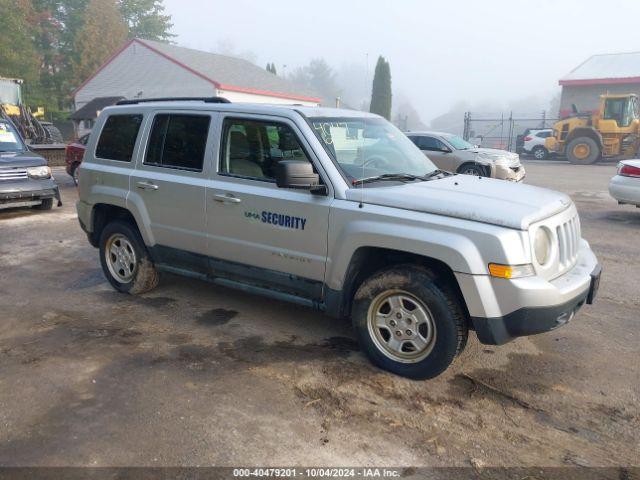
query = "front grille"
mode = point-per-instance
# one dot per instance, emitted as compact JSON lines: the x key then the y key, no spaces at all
{"x":568,"y":242}
{"x":13,"y":174}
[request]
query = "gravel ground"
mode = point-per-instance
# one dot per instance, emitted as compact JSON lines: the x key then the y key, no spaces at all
{"x":196,"y":374}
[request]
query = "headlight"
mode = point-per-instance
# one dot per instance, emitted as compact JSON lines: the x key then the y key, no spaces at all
{"x":503,"y":161}
{"x":488,"y":157}
{"x":542,"y":245}
{"x":39,"y":172}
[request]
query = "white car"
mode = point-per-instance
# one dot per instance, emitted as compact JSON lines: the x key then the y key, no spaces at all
{"x":625,"y":186}
{"x":534,"y":143}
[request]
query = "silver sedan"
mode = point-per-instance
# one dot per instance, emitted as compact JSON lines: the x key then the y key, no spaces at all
{"x":625,"y":186}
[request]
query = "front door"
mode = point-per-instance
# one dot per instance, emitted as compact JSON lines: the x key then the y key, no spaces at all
{"x":433,"y":148}
{"x":170,"y":181}
{"x":253,"y":223}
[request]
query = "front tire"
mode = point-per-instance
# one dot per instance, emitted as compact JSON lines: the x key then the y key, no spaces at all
{"x":125,"y":260}
{"x":472,"y":169}
{"x":540,"y":153}
{"x":583,"y":151}
{"x":408,"y":324}
{"x":46,"y":204}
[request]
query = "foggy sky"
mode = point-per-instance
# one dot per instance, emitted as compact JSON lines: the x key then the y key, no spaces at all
{"x":440,"y":52}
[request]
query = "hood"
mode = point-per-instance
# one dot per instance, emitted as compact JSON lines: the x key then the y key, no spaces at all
{"x":490,"y":155}
{"x":485,"y":200}
{"x":22,"y":159}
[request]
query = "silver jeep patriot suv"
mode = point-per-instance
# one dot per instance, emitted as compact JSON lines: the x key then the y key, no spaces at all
{"x":333,"y":209}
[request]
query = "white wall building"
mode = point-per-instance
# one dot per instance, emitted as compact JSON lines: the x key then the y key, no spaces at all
{"x":149,"y":69}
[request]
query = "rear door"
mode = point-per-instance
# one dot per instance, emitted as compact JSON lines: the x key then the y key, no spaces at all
{"x":253,"y":223}
{"x":170,"y":181}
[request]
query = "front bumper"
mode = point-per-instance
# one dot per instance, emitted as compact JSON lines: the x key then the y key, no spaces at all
{"x":502,"y":310}
{"x":30,"y":190}
{"x":513,"y":174}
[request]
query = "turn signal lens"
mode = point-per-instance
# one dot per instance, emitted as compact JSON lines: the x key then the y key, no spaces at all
{"x":510,"y":271}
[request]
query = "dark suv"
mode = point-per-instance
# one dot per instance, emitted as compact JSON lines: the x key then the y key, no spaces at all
{"x":25,"y":177}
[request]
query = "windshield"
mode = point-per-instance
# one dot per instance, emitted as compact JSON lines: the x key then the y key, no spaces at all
{"x":370,"y":147}
{"x":458,"y":143}
{"x":9,"y":139}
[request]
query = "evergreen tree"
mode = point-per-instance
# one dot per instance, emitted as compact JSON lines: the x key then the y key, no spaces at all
{"x":55,"y":25}
{"x":103,"y":32}
{"x":381,"y":91}
{"x":146,"y":19}
{"x":317,"y":77}
{"x":273,"y":69}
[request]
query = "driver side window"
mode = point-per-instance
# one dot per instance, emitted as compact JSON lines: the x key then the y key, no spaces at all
{"x":253,"y":148}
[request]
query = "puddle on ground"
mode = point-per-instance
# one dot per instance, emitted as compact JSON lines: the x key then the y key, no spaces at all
{"x":217,"y":316}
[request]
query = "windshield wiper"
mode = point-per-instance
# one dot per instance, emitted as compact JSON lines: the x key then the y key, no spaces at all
{"x":386,"y":176}
{"x":437,"y":172}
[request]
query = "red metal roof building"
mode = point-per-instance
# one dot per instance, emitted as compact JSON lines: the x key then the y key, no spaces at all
{"x":616,"y":73}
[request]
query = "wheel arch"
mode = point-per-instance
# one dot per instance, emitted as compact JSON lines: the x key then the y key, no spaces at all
{"x":589,"y":132}
{"x":104,"y":213}
{"x":368,"y":260}
{"x":486,"y":168}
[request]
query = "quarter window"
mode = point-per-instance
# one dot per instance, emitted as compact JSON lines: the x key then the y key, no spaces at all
{"x":118,"y":137}
{"x":178,"y":141}
{"x":253,"y":148}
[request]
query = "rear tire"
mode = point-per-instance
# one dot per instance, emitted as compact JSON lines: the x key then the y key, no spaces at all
{"x":125,"y":260}
{"x":408,"y":324}
{"x":583,"y":151}
{"x":47,"y":204}
{"x":540,"y":153}
{"x":74,"y":173}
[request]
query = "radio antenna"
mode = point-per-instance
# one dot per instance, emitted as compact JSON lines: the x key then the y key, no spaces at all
{"x":366,"y":85}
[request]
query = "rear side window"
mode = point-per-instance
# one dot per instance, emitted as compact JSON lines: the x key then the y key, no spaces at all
{"x":118,"y":137}
{"x":178,"y":141}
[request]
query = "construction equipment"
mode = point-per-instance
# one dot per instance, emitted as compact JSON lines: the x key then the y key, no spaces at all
{"x":613,"y":131}
{"x":34,"y":131}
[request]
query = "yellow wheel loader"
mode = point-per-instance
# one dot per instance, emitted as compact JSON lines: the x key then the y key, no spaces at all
{"x":612,"y":132}
{"x":32,"y":129}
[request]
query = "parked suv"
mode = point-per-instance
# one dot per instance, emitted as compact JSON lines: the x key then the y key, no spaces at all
{"x":452,"y":153}
{"x":25,"y":177}
{"x":333,"y":209}
{"x":533,"y":142}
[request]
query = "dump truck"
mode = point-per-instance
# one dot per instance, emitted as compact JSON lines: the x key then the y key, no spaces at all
{"x":613,"y":132}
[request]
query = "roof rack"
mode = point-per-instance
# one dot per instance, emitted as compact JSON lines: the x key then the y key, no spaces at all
{"x":174,"y":99}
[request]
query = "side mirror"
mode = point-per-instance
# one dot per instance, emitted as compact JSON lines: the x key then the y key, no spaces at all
{"x":445,"y":149}
{"x":296,"y":174}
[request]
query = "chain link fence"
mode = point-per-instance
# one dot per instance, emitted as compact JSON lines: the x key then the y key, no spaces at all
{"x":502,"y":131}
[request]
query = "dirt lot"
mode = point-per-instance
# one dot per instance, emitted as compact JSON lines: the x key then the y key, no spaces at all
{"x":195,"y":374}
